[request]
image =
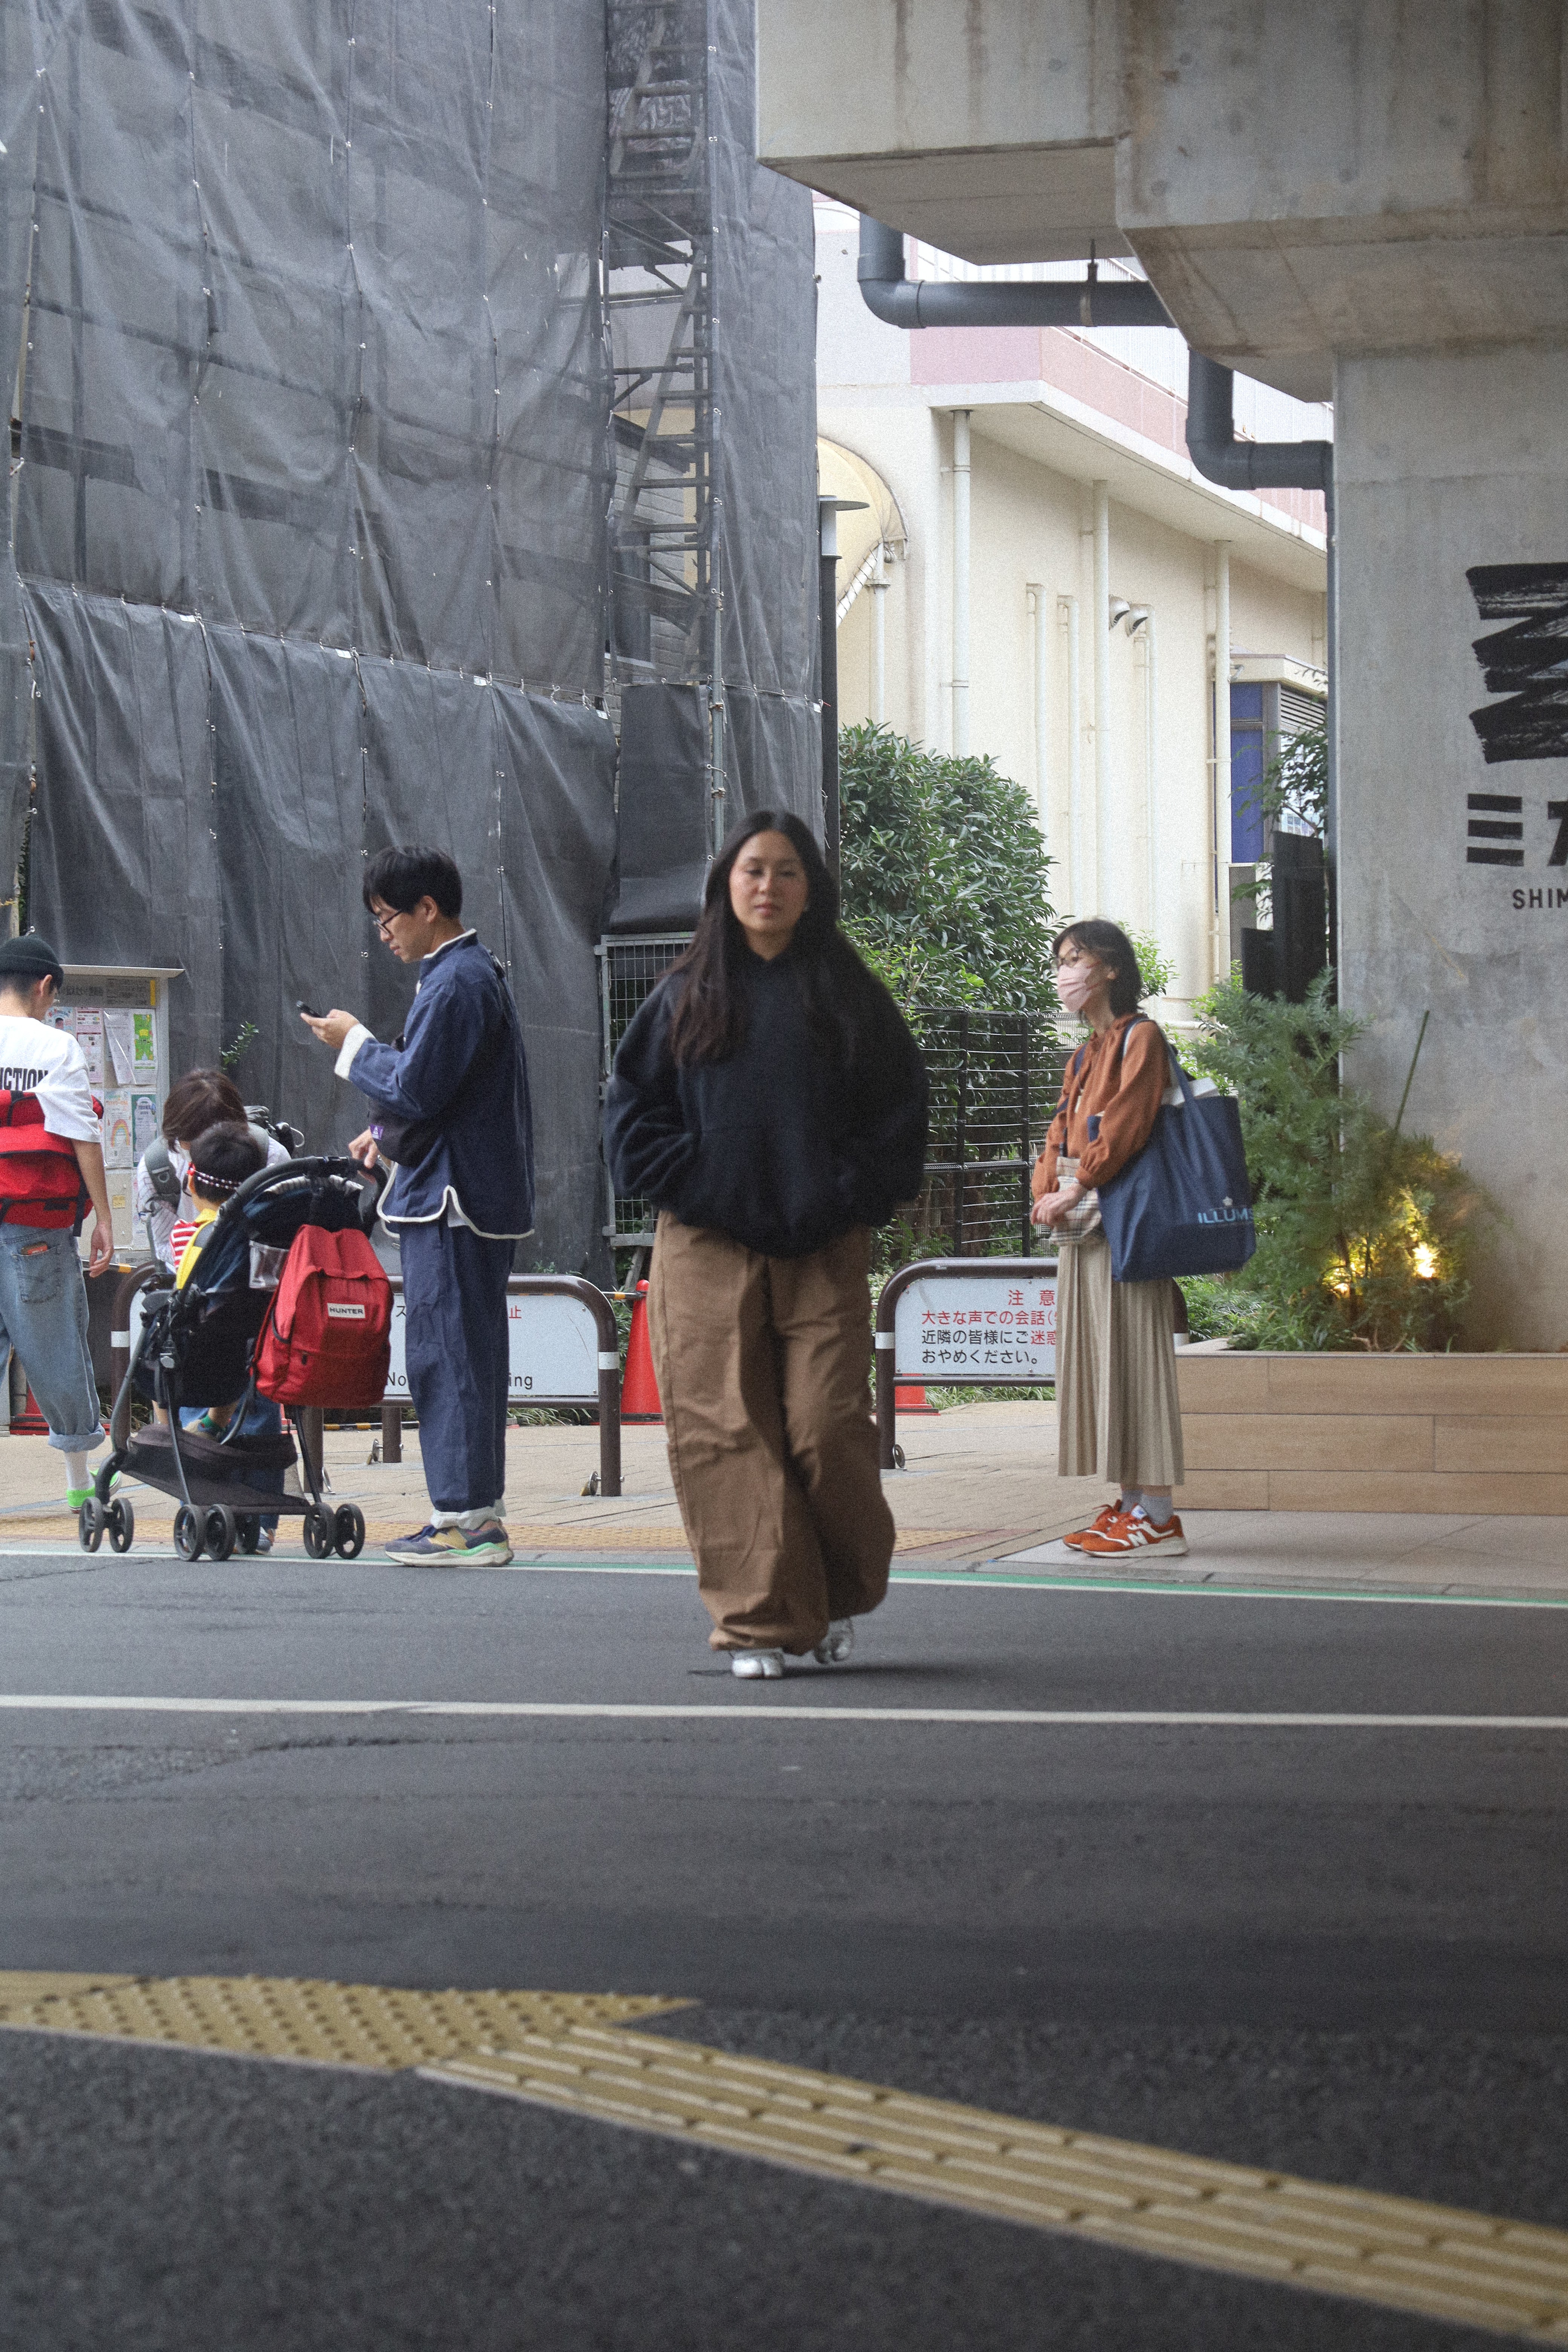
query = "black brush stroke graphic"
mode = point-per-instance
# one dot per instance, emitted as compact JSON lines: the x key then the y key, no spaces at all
{"x":1528,"y":663}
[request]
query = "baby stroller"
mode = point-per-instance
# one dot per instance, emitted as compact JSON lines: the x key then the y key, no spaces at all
{"x":199,"y":1346}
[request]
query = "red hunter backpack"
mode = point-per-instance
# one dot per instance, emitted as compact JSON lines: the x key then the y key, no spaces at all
{"x":327,"y":1336}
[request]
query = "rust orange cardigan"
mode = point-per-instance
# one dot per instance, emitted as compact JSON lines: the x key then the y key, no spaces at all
{"x":1124,"y":1087}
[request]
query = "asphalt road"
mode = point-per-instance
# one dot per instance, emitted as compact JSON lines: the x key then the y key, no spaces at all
{"x":1336,"y":1950}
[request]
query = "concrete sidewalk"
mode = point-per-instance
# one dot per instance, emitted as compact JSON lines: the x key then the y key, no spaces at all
{"x":979,"y":1492}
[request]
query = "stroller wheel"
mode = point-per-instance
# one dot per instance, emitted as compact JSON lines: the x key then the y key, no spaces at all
{"x":348,"y":1531}
{"x":90,"y":1524}
{"x":318,"y":1532}
{"x":222,"y":1531}
{"x":249,"y":1531}
{"x":190,"y":1532}
{"x":121,"y":1521}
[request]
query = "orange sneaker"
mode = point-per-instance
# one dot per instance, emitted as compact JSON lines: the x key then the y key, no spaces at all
{"x":1097,"y":1526}
{"x":1133,"y":1532}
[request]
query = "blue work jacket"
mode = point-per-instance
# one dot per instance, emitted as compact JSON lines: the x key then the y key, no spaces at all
{"x":459,"y":1061}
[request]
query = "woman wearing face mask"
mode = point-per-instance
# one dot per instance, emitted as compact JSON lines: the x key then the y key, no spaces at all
{"x":1117,"y":1412}
{"x":770,"y":1102}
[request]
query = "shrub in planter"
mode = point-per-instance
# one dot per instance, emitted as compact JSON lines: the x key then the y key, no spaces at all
{"x":1365,"y":1232}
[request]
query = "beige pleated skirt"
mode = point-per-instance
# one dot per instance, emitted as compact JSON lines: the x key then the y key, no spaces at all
{"x":1116,"y":1408}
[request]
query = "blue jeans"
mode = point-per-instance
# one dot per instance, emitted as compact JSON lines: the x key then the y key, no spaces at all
{"x":262,"y":1419}
{"x":455,"y":1345}
{"x":43,"y":1316}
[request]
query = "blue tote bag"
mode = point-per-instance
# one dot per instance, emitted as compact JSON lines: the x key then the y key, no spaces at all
{"x":1182,"y":1204}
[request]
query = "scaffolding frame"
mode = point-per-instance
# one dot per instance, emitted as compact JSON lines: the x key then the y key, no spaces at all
{"x":667,"y":524}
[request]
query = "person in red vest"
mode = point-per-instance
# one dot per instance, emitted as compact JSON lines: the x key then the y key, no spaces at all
{"x":51,"y":1172}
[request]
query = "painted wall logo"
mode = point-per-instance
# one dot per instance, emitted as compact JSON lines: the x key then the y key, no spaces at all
{"x":1526,"y":662}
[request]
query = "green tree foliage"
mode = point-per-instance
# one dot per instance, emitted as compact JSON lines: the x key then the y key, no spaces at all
{"x":1365,"y":1232}
{"x":1155,"y":969}
{"x":945,"y":875}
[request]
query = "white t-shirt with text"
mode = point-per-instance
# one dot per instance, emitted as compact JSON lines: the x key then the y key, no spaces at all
{"x":37,"y":1060}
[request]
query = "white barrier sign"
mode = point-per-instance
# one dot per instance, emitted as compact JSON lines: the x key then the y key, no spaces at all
{"x":554,"y":1344}
{"x":977,"y":1328}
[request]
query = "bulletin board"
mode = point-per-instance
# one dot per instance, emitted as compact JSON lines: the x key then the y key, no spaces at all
{"x":118,"y":1015}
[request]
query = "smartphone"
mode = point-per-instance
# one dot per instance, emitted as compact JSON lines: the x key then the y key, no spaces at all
{"x":309,"y":1009}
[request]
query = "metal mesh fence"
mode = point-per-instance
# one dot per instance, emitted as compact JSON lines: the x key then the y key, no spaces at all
{"x":994,"y":1077}
{"x":627,"y":969}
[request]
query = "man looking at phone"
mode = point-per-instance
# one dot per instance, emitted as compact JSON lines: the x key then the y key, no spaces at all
{"x":449,"y":1110}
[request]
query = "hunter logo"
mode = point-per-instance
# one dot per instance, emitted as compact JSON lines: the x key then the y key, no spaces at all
{"x":1527,"y":662}
{"x":338,"y":1311}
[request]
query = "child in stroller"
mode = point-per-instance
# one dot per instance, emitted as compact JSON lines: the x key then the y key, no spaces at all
{"x":199,"y":1341}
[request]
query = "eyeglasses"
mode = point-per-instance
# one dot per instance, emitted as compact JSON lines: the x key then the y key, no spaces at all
{"x":383,"y":922}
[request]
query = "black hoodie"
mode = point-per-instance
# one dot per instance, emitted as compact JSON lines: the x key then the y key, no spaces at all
{"x":775,"y":1146}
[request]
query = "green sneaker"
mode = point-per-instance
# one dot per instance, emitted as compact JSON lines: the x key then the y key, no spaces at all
{"x":77,"y":1495}
{"x":486,"y":1547}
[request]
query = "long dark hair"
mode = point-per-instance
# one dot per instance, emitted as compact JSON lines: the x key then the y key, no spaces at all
{"x":842,"y":998}
{"x":1109,"y":944}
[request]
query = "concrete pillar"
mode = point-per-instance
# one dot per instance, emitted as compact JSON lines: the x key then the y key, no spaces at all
{"x":1452,"y":869}
{"x":961,"y":581}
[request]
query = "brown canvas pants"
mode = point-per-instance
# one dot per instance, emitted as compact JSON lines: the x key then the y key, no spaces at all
{"x":762,"y":1365}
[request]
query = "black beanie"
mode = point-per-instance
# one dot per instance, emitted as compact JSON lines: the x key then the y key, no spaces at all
{"x":29,"y":959}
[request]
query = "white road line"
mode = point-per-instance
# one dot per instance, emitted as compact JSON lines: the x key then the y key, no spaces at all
{"x":748,"y":1710}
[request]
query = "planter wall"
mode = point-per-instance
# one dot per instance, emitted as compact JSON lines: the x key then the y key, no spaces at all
{"x":1487,"y":1434}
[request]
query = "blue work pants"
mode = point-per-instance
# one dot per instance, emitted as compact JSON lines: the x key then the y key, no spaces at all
{"x":454,"y":1344}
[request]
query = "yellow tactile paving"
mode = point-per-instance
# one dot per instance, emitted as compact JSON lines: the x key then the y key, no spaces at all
{"x":287,"y":2017}
{"x":1502,"y":2276}
{"x":571,"y":2052}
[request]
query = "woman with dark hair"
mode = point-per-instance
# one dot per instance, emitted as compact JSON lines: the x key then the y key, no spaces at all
{"x":1118,"y":1414}
{"x":769,"y":1099}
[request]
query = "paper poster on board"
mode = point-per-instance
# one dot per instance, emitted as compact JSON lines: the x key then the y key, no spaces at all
{"x":145,"y":1047}
{"x":119,"y":1046}
{"x":118,"y":1134}
{"x":90,"y":1037}
{"x":144,"y":1123}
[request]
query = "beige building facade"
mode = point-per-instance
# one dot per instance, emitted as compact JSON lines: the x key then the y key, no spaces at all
{"x":1068,"y":450}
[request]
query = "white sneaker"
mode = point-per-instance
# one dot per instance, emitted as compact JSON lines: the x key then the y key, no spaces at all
{"x":836,"y":1643}
{"x":757,"y":1666}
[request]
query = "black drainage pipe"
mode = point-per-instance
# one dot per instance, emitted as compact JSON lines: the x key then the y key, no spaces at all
{"x":1092,"y":301}
{"x":1235,"y":465}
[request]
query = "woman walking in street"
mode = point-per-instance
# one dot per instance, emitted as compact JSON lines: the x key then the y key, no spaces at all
{"x":769,"y":1099}
{"x":1118,"y":1414}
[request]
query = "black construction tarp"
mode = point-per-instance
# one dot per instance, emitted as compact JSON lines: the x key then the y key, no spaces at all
{"x":311,"y":516}
{"x":764,"y":273}
{"x":304,"y":306}
{"x":207,"y":798}
{"x":665,"y":825}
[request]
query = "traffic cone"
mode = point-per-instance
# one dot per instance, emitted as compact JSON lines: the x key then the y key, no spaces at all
{"x":911,"y":1401}
{"x":29,"y":1422}
{"x":639,"y":1389}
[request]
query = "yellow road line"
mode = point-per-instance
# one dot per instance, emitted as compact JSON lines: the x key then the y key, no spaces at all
{"x":570,"y":2052}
